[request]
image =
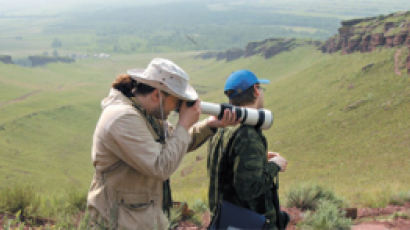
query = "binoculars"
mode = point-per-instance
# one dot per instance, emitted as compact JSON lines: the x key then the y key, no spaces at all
{"x":260,"y":118}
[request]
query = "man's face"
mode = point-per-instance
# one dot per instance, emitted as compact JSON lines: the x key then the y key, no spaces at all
{"x":169,"y":103}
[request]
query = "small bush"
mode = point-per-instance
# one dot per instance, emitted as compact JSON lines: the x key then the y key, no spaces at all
{"x":199,"y":206}
{"x":328,"y":216}
{"x":76,"y":201}
{"x":183,"y":213}
{"x":85,"y":222}
{"x":19,"y":199}
{"x":307,"y":197}
{"x":175,"y":216}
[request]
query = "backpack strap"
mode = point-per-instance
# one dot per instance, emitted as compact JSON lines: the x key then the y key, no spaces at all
{"x":224,"y":163}
{"x":154,"y":125}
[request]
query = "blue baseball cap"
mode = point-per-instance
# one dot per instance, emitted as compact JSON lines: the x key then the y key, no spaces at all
{"x":242,"y":80}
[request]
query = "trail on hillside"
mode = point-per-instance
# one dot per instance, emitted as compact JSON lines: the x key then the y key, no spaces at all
{"x":19,"y":99}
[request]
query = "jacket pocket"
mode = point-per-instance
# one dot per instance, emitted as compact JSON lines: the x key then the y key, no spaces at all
{"x":135,"y":201}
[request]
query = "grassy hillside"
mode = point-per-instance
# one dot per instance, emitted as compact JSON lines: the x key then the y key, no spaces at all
{"x":337,"y":124}
{"x":47,"y":119}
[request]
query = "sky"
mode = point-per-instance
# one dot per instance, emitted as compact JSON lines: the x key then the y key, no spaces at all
{"x":39,"y":7}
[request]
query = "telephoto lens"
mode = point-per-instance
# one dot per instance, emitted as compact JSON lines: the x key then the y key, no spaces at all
{"x":260,"y":118}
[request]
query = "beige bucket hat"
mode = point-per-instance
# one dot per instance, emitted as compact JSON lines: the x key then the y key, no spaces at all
{"x":165,"y":75}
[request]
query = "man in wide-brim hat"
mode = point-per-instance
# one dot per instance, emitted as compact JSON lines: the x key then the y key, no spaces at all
{"x":135,"y":150}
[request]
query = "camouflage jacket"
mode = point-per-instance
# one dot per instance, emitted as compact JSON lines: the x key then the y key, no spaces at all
{"x":239,"y":171}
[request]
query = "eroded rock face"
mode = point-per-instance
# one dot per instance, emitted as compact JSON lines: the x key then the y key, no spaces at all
{"x":365,"y":35}
{"x":353,"y":44}
{"x":400,"y":38}
{"x":376,"y":40}
{"x":388,"y":26}
{"x":365,"y":45}
{"x":234,"y":54}
{"x":266,"y":48}
{"x":389,"y":41}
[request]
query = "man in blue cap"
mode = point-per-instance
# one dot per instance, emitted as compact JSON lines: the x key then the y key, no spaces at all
{"x":241,"y":169}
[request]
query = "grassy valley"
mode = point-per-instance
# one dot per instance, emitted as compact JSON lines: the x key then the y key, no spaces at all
{"x":345,"y":128}
{"x":341,"y":107}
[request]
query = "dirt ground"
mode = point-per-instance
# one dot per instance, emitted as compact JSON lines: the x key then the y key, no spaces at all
{"x":392,"y":217}
{"x":366,"y":219}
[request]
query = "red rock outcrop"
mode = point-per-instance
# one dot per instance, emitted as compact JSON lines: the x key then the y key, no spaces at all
{"x":400,"y":38}
{"x":353,"y":44}
{"x":388,"y":26}
{"x":365,"y":35}
{"x":365,"y":45}
{"x":376,"y":40}
{"x":389,"y":41}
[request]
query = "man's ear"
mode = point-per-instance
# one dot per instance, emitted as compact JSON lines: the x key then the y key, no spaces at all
{"x":256,"y":91}
{"x":155,"y":97}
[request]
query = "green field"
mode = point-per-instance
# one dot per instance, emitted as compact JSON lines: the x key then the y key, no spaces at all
{"x":338,"y":125}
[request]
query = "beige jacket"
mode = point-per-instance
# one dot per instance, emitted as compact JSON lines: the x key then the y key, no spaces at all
{"x":130,"y":166}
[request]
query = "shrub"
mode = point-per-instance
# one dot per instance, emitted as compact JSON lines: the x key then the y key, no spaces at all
{"x":19,"y":199}
{"x":199,"y":206}
{"x":400,"y":198}
{"x":307,"y":197}
{"x":328,"y":216}
{"x":76,"y":201}
{"x":182,"y":213}
{"x":84,"y":222}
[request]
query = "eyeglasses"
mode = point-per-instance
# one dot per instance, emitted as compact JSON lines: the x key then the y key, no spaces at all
{"x":261,"y":88}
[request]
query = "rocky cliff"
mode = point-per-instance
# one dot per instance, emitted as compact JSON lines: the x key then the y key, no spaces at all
{"x":366,"y":35}
{"x":267,"y":48}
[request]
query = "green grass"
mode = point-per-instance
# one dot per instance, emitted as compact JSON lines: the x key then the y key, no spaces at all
{"x":308,"y":197}
{"x":351,"y":151}
{"x":45,"y":138}
{"x":327,"y":217}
